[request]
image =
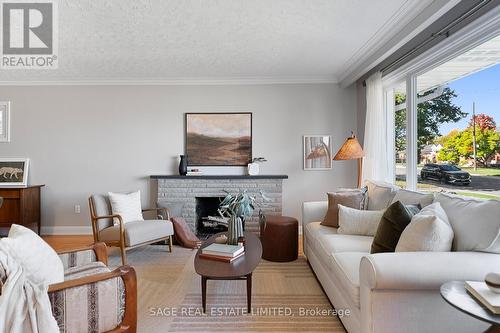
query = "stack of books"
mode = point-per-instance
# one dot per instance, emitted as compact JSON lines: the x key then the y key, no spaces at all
{"x":484,"y":295}
{"x":222,"y":252}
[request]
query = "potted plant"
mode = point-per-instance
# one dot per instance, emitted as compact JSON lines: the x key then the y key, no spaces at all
{"x":237,"y":207}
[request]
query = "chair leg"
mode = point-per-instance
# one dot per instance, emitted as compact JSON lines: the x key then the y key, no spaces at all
{"x":124,"y":256}
{"x":170,"y":243}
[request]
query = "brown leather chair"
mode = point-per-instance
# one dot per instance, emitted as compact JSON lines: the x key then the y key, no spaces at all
{"x":279,"y":236}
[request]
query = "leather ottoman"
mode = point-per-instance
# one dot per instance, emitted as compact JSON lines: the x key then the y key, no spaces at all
{"x":279,"y":236}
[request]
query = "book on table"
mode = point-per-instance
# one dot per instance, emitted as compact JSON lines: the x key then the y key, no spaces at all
{"x":220,"y":258}
{"x":484,"y":295}
{"x":223,"y":250}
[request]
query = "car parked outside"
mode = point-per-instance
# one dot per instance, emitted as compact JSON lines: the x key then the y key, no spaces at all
{"x":446,"y":173}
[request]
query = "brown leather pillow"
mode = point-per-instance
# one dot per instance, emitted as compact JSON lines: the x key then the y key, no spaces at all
{"x":395,"y":219}
{"x":353,"y":199}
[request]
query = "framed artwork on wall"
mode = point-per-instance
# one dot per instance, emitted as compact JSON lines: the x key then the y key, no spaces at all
{"x":14,"y":172}
{"x":317,"y":152}
{"x":4,"y":121}
{"x":218,"y":139}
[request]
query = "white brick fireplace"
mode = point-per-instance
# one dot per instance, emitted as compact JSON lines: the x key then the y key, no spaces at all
{"x":183,"y":191}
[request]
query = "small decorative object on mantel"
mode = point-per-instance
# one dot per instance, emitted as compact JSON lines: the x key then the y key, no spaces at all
{"x":317,"y":152}
{"x":237,"y":208}
{"x":254,"y":167}
{"x":14,"y":172}
{"x":183,"y":165}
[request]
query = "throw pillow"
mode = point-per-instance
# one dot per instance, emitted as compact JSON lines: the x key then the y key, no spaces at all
{"x":40,"y":262}
{"x":358,"y":222}
{"x":392,"y":224}
{"x":127,"y":205}
{"x":408,"y":197}
{"x":380,"y":194}
{"x":353,"y":199}
{"x":475,"y":222}
{"x":429,"y":230}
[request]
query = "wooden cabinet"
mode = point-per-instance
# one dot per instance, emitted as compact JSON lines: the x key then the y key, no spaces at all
{"x":21,"y":205}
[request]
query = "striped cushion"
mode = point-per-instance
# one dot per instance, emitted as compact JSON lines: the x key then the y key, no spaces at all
{"x":95,"y":307}
{"x":78,"y":258}
{"x":85,"y":270}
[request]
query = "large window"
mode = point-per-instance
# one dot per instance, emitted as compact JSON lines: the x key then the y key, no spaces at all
{"x":446,"y":135}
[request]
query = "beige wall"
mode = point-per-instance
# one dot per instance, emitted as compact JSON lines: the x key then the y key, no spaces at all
{"x":85,"y":139}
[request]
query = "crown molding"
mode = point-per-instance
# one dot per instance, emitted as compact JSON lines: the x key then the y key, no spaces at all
{"x":404,"y":26}
{"x":174,"y":81}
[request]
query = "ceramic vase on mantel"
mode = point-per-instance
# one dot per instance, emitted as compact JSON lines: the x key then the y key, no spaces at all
{"x":234,"y":230}
{"x":183,"y":165}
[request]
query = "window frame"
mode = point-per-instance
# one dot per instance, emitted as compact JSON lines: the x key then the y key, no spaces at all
{"x":481,"y":30}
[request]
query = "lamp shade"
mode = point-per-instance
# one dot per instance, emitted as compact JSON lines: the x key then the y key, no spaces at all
{"x":350,"y":150}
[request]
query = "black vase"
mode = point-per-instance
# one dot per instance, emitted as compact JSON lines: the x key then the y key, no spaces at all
{"x":183,"y":167}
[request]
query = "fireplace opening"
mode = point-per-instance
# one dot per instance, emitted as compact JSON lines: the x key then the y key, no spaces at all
{"x":208,"y":219}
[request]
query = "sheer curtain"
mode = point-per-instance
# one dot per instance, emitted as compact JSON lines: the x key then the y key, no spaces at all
{"x":377,"y":162}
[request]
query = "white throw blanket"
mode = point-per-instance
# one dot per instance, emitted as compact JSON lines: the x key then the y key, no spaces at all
{"x":24,"y":305}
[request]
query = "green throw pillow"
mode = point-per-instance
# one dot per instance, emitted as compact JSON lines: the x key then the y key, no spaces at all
{"x":393,"y":222}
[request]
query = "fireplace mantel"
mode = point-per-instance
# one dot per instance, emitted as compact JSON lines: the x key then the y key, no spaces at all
{"x":182,"y":192}
{"x":219,"y":177}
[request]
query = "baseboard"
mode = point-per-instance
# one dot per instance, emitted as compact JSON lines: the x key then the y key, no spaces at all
{"x":66,"y":230}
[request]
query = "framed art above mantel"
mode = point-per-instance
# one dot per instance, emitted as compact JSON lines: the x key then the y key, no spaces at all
{"x":218,"y":139}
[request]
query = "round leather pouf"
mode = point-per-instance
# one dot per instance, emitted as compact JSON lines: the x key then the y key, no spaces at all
{"x":280,"y":238}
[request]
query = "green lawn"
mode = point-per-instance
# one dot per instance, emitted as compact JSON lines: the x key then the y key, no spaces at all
{"x":484,"y":171}
{"x":478,"y":195}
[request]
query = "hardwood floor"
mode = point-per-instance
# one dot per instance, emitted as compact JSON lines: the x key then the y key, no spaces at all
{"x":68,"y":242}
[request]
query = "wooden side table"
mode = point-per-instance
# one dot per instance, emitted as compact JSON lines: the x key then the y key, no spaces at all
{"x":21,"y":205}
{"x":280,"y":238}
{"x":455,"y":294}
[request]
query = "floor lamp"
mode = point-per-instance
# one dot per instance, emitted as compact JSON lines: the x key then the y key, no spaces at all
{"x":351,"y":150}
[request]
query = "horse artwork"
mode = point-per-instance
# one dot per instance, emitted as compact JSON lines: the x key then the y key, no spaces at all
{"x":13,"y":172}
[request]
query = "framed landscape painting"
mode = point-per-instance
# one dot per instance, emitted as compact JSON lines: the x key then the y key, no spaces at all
{"x":219,"y":139}
{"x":317,"y":152}
{"x":14,"y":172}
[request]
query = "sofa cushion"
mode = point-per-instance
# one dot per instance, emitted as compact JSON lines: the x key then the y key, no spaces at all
{"x":345,"y":267}
{"x":380,"y":194}
{"x":392,"y":224}
{"x":137,"y":232}
{"x":476,"y":223}
{"x":407,"y":197}
{"x":353,"y":199}
{"x":337,"y":243}
{"x":429,"y":230}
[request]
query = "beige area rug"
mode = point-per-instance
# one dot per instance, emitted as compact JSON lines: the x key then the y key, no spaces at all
{"x":286,"y":297}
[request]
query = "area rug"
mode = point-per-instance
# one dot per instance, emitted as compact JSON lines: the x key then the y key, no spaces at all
{"x":286,"y":297}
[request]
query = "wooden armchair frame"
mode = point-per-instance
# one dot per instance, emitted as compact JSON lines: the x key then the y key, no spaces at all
{"x":127,"y":273}
{"x":121,"y":242}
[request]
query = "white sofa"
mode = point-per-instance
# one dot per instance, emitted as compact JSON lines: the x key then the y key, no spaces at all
{"x":399,"y":292}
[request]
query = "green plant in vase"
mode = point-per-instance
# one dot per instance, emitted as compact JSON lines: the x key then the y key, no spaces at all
{"x":237,"y":207}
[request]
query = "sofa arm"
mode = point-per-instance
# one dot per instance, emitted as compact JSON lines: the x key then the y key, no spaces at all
{"x":84,"y":255}
{"x":313,"y":211}
{"x":424,"y":270}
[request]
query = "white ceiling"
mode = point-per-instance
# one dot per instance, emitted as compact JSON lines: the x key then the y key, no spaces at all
{"x":173,"y":40}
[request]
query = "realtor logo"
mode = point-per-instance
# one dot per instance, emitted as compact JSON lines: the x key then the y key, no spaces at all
{"x":29,"y":36}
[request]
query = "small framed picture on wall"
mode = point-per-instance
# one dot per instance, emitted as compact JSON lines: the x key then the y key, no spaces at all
{"x":14,"y":172}
{"x":317,"y":152}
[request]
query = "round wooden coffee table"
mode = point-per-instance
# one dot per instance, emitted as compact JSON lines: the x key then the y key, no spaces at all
{"x":240,"y":269}
{"x":455,"y":294}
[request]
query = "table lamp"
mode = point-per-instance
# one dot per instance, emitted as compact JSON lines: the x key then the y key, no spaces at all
{"x":351,"y":150}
